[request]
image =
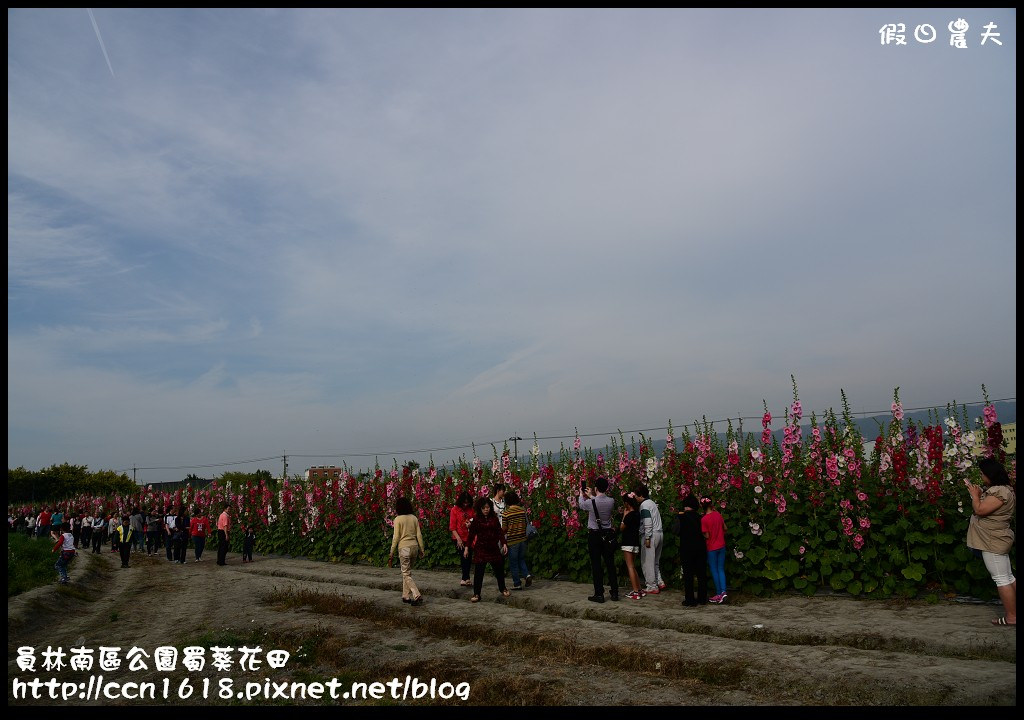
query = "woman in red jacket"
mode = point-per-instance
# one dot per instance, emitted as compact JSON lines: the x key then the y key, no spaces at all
{"x":487,"y":540}
{"x":458,"y":524}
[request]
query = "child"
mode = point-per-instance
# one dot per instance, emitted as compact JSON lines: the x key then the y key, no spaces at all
{"x":248,"y":541}
{"x":65,"y":544}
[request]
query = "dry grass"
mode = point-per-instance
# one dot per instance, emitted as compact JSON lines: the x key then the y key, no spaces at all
{"x":561,"y":648}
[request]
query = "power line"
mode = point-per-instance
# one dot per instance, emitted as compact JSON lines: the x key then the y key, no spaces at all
{"x":398,"y":453}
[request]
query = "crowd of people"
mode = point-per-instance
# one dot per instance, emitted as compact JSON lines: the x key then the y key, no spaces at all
{"x":495,"y":527}
{"x":156,"y":532}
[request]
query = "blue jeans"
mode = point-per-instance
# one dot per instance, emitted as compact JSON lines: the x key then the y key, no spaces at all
{"x":517,"y":561}
{"x":716,"y":561}
{"x":62,"y":564}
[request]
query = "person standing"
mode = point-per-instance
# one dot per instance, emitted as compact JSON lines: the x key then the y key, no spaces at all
{"x":653,"y":539}
{"x":600,"y":512}
{"x":170,"y":531}
{"x":43,"y":522}
{"x":125,"y":539}
{"x":154,"y":527}
{"x":498,"y":500}
{"x":56,"y":520}
{"x":87,"y":531}
{"x":408,"y":540}
{"x":991,"y":535}
{"x":693,"y":553}
{"x":514,"y":526}
{"x":75,"y":518}
{"x":630,"y":529}
{"x":113,"y":531}
{"x":181,"y":534}
{"x":487,"y":540}
{"x":30,"y":524}
{"x":713,"y":527}
{"x":138,"y":537}
{"x":458,"y":525}
{"x":98,"y":529}
{"x":223,"y":525}
{"x":199,"y":528}
{"x":248,"y":541}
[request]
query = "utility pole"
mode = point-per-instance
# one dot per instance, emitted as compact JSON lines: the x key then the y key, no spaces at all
{"x":515,"y":447}
{"x":284,"y":470}
{"x":133,"y":475}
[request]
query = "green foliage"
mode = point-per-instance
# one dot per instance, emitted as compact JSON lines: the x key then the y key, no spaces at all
{"x":814,"y":511}
{"x":29,"y":563}
{"x":58,"y":482}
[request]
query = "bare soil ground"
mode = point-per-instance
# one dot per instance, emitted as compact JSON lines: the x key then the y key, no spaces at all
{"x":546,"y":645}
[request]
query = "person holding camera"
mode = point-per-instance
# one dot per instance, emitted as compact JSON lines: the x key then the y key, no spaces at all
{"x":990,"y":533}
{"x":600,"y":511}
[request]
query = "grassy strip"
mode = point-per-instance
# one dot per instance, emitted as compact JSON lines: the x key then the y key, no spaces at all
{"x":318,"y":655}
{"x":703,"y":678}
{"x":861,"y":641}
{"x":560,"y":647}
{"x":29,"y":563}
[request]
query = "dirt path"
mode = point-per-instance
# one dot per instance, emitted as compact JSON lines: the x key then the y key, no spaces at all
{"x":546,"y":645}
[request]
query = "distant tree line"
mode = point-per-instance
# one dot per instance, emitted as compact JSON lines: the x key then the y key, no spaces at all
{"x":58,"y":482}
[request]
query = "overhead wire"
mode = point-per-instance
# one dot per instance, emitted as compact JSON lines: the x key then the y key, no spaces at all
{"x":397,"y":453}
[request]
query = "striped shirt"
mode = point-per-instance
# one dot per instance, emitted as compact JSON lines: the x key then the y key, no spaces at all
{"x":515,"y":524}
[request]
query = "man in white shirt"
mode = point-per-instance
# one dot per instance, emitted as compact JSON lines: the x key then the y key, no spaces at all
{"x":653,"y":537}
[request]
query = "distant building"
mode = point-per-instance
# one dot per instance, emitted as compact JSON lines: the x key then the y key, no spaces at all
{"x":1009,"y":439}
{"x":323,"y":471}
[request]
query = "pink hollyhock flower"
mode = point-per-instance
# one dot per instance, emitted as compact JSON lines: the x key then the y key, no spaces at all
{"x":862,"y":496}
{"x":990,"y":415}
{"x":802,"y":549}
{"x":897,"y":411}
{"x":576,"y":443}
{"x":865,"y":523}
{"x":858,"y":541}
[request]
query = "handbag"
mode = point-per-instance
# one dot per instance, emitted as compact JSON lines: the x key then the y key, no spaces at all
{"x":531,"y":531}
{"x":609,"y":535}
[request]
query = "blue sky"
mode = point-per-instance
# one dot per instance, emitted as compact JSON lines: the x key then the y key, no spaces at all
{"x":334,"y":233}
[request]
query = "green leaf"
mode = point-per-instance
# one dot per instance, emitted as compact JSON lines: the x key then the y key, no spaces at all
{"x":789,"y":568}
{"x":921,"y":552}
{"x":914,"y":571}
{"x":757,"y":555}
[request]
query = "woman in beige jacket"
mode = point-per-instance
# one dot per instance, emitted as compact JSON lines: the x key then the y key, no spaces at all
{"x":408,"y":540}
{"x":990,"y":532}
